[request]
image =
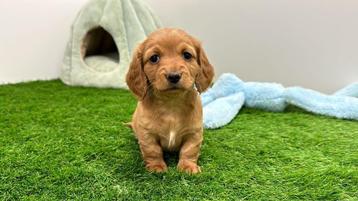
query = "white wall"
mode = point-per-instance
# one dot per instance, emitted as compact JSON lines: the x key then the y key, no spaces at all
{"x":33,"y":36}
{"x":312,"y":43}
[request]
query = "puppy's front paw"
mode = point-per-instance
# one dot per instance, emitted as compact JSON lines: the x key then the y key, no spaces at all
{"x":156,"y":167}
{"x":188,"y":167}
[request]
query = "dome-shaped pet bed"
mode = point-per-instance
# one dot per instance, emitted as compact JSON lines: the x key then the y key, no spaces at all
{"x":103,"y":37}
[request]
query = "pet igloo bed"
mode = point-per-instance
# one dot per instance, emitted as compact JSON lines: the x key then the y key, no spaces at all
{"x":103,"y":36}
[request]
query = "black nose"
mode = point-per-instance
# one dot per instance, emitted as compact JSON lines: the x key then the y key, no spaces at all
{"x":173,"y":77}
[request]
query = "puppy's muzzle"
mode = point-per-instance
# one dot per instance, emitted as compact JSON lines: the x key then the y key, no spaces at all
{"x":174,"y":77}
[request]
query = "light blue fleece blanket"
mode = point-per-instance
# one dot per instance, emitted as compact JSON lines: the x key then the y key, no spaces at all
{"x":224,"y":100}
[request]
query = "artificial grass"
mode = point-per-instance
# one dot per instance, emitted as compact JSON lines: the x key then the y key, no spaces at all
{"x":68,"y":143}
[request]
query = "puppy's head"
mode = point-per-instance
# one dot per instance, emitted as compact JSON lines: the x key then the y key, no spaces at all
{"x":169,"y":61}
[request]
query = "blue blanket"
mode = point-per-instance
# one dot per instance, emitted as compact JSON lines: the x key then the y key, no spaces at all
{"x":224,"y":100}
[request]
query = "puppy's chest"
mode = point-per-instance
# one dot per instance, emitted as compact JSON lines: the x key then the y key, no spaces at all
{"x":171,"y":128}
{"x":172,"y":124}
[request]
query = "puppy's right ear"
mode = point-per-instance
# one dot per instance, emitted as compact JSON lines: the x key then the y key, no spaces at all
{"x":136,"y":79}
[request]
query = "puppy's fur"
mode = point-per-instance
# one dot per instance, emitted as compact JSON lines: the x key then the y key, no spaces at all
{"x":169,"y":116}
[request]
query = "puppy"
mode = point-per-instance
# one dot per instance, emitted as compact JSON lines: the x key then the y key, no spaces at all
{"x":167,"y":73}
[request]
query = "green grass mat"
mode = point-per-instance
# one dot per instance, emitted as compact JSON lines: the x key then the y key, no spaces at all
{"x":68,"y":143}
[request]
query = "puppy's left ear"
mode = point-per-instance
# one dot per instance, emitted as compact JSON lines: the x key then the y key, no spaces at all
{"x":206,"y":71}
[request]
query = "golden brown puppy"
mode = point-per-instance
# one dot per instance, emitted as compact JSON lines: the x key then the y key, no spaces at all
{"x":167,"y":73}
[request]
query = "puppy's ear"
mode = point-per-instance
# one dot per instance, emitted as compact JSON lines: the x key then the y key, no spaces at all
{"x":136,"y":79}
{"x":206,"y":71}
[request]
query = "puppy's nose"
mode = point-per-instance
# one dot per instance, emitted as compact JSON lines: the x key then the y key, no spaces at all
{"x":173,"y":77}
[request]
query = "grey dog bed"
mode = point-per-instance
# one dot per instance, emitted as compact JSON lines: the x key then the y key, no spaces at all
{"x":103,"y":36}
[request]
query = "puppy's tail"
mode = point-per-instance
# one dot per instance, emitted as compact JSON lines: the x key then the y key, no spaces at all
{"x":128,"y":124}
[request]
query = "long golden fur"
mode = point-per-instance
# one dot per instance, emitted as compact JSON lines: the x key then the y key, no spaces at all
{"x":168,"y":116}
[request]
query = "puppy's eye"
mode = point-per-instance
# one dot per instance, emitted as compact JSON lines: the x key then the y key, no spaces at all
{"x":154,"y":59}
{"x":187,"y":56}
